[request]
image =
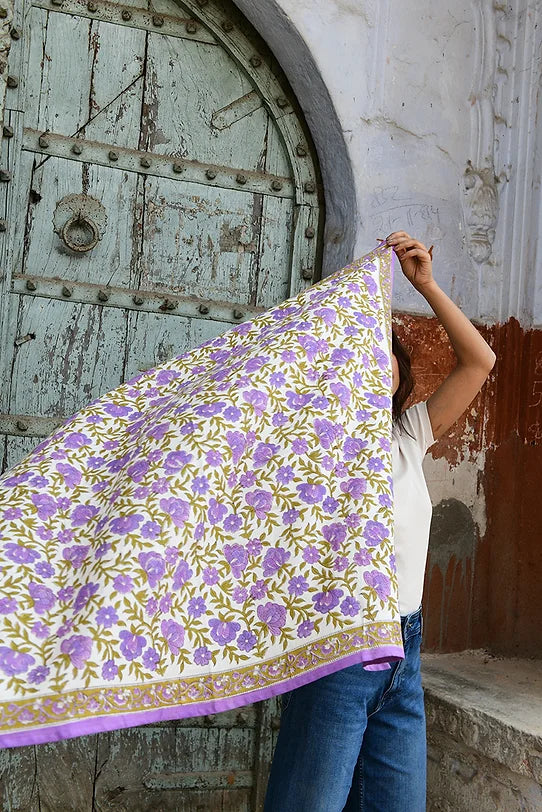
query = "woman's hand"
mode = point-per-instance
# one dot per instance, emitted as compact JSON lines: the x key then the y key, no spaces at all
{"x":415,"y":258}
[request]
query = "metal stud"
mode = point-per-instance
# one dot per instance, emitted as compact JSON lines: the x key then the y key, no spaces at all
{"x":66,"y":291}
{"x":282,"y":102}
{"x":210,"y":174}
{"x":3,"y":225}
{"x":77,"y":149}
{"x":241,"y":179}
{"x":276,"y":185}
{"x":203,"y":309}
{"x":158,"y":20}
{"x":56,"y":2}
{"x":103,"y":296}
{"x":309,"y":233}
{"x":255,"y":61}
{"x":92,"y":6}
{"x":112,"y":155}
{"x":307,"y":273}
{"x":191,"y":27}
{"x":12,"y":81}
{"x":227,"y":26}
{"x":238,"y":314}
{"x":310,"y":187}
{"x":178,"y":167}
{"x":126,"y":15}
{"x":301,"y":150}
{"x":3,"y":13}
{"x":7,"y":131}
{"x":30,"y":285}
{"x":15,"y":33}
{"x":5,"y":175}
{"x":22,"y":425}
{"x":137,"y":300}
{"x":145,"y":163}
{"x":168,"y":304}
{"x":44,"y":142}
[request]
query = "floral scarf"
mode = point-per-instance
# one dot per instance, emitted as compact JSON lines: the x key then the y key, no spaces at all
{"x":213,"y":532}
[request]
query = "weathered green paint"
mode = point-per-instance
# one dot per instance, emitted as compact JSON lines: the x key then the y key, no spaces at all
{"x":184,"y":132}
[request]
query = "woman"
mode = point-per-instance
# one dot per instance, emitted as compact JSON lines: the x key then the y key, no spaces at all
{"x":355,"y":740}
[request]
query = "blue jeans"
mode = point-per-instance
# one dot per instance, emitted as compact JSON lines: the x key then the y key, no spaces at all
{"x":354,"y":741}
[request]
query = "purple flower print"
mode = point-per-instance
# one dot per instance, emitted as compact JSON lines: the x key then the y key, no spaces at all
{"x":138,"y":470}
{"x":152,"y":607}
{"x":310,"y":345}
{"x":182,"y":574}
{"x":279,"y":419}
{"x":116,"y":410}
{"x":340,"y":563}
{"x":260,"y":501}
{"x":236,"y":441}
{"x":8,"y":605}
{"x":297,"y":401}
{"x":254,"y":547}
{"x":202,"y":655}
{"x":232,"y":413}
{"x":109,"y":670}
{"x":240,"y":594}
{"x":342,"y":392}
{"x":132,"y":644}
{"x":247,"y":480}
{"x":273,"y":615}
{"x":258,"y":590}
{"x":44,"y":569}
{"x":210,"y":576}
{"x":320,"y":403}
{"x":353,"y":447}
{"x":76,"y":440}
{"x":363,"y":415}
{"x":327,"y":432}
{"x":311,"y":554}
{"x":298,"y":585}
{"x":209,"y":409}
{"x":273,"y":560}
{"x":20,"y":554}
{"x":311,"y":493}
{"x":363,"y":557}
{"x":263,"y":453}
{"x":233,"y":522}
{"x":300,"y":446}
{"x":65,"y":594}
{"x":83,"y":514}
{"x":379,"y":582}
{"x":126,"y":524}
{"x":176,"y":460}
{"x":177,"y":509}
{"x":216,"y":511}
{"x":381,"y":358}
{"x":165,"y":602}
{"x":214,"y":458}
{"x":150,"y":530}
{"x":196,"y":607}
{"x":150,"y":659}
{"x":253,"y":364}
{"x":174,"y":635}
{"x":256,"y":399}
{"x":78,"y":648}
{"x":246,"y":641}
{"x":341,"y":356}
{"x":290,"y":516}
{"x":76,"y":554}
{"x":285,"y":474}
{"x":334,"y":534}
{"x":84,"y":595}
{"x":277,"y":379}
{"x":374,"y":533}
{"x":223,"y":631}
{"x":43,"y":597}
{"x":237,"y":558}
{"x":326,"y":601}
{"x":171,"y":555}
{"x":288,"y":356}
{"x":65,"y":536}
{"x":154,"y":567}
{"x":350,"y":606}
{"x":12,"y":513}
{"x":123,"y":583}
{"x":375,"y":464}
{"x":72,"y":477}
{"x":200,"y":485}
{"x":14,"y":662}
{"x":380,"y":401}
{"x":305,"y":629}
{"x":38,"y":674}
{"x":393,"y":564}
{"x":330,"y":505}
{"x":44,"y":534}
{"x":45,"y":504}
{"x":329,"y":314}
{"x":106,"y":616}
{"x":356,"y":487}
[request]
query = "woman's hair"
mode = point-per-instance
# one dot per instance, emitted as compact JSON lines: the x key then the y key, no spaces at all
{"x":406,"y":380}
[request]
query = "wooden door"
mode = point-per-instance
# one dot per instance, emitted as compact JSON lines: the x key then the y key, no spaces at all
{"x":157,"y":186}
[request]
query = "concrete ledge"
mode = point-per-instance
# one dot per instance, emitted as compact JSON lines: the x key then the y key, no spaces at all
{"x":484,"y":731}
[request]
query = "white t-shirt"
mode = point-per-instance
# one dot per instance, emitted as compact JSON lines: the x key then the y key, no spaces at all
{"x":412,"y":504}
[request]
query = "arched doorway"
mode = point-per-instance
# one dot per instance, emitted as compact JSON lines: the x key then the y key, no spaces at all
{"x":159,"y":186}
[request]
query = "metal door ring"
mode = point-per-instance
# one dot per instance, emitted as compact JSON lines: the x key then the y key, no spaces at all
{"x":80,"y":233}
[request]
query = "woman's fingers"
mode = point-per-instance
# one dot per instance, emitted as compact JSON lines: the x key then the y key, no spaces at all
{"x":416,"y":252}
{"x":410,"y":243}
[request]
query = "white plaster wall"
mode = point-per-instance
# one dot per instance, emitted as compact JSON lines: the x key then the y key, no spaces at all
{"x":419,"y":90}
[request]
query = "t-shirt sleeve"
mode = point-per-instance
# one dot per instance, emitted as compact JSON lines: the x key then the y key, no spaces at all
{"x":417,"y":423}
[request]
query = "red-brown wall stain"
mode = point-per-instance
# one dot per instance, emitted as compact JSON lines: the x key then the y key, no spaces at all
{"x":490,"y":598}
